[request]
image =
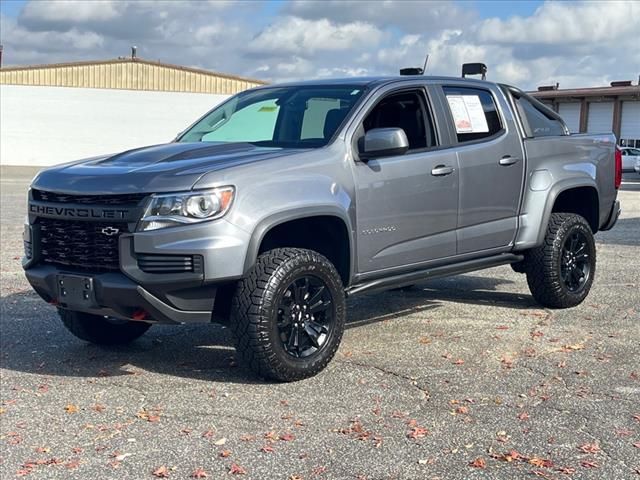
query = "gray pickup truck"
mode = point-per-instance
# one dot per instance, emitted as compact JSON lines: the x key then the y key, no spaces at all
{"x":284,"y":200}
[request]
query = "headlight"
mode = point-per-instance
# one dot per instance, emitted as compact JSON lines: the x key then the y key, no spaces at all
{"x":175,"y":209}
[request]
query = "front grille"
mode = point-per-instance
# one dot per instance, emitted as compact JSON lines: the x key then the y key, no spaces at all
{"x":81,"y":245}
{"x":155,"y":263}
{"x":124,"y":199}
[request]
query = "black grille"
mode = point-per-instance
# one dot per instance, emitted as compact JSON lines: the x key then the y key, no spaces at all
{"x":125,"y":199}
{"x":80,"y":244}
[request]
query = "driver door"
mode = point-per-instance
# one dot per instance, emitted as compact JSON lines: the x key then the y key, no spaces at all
{"x":407,"y":205}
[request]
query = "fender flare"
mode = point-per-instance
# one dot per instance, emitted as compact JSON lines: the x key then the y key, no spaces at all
{"x":555,"y":191}
{"x":279,"y":218}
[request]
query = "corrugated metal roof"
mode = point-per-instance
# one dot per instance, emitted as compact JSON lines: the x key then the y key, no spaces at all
{"x":127,"y":73}
{"x":627,"y":91}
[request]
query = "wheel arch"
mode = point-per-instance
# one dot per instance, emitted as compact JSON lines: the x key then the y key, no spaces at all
{"x":327,"y":217}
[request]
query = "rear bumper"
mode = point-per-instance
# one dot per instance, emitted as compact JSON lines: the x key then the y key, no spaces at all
{"x":613,"y":216}
{"x":118,"y":296}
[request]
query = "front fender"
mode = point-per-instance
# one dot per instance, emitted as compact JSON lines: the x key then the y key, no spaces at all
{"x":279,"y":218}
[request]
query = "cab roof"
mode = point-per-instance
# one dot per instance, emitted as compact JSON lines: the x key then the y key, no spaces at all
{"x":378,"y":81}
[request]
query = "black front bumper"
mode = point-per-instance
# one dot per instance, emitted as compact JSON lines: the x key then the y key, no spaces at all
{"x":114,"y":294}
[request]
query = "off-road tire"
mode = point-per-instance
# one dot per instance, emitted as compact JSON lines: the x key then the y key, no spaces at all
{"x":543,"y":264}
{"x":100,"y":330}
{"x":254,"y":313}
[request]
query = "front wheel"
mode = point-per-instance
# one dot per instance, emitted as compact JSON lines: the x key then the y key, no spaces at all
{"x":560,"y":272}
{"x":102,"y":330}
{"x":288,"y":314}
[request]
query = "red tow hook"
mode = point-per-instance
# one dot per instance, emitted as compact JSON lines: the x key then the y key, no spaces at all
{"x":140,"y":315}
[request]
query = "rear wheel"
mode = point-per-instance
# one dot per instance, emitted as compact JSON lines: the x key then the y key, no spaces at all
{"x":288,"y":314}
{"x":560,"y":272}
{"x":102,"y":330}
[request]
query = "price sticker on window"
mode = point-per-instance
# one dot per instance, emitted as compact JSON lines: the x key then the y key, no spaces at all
{"x":468,"y":114}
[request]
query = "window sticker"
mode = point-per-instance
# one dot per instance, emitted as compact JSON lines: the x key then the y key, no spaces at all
{"x":468,"y":114}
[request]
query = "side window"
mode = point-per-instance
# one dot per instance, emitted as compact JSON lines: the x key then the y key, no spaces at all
{"x":406,"y":110}
{"x":474,"y":113}
{"x":540,"y":123}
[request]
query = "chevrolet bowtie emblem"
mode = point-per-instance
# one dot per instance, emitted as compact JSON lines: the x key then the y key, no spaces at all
{"x":110,"y":231}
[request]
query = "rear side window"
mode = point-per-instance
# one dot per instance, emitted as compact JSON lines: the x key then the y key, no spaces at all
{"x":474,"y":113}
{"x":537,"y":122}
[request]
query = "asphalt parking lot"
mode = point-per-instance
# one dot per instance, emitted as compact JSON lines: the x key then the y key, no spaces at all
{"x":459,"y":378}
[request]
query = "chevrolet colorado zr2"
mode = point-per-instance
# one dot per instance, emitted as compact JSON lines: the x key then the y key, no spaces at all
{"x":279,"y":203}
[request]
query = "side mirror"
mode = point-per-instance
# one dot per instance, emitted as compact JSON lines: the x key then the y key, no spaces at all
{"x":383,"y":142}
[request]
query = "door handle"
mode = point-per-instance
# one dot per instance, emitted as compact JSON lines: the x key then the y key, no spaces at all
{"x":508,"y":160}
{"x":441,"y":171}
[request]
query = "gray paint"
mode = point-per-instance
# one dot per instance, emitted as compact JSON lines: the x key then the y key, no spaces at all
{"x":425,"y":208}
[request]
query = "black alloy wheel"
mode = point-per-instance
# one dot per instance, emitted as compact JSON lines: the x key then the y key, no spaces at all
{"x":305,"y":316}
{"x":288,"y":314}
{"x":560,"y":272}
{"x":575,"y":266}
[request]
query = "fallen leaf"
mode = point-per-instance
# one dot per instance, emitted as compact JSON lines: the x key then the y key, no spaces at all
{"x":589,"y":448}
{"x":225,"y":453}
{"x":567,"y":470}
{"x":459,"y":362}
{"x":589,"y":464}
{"x":71,"y":408}
{"x":237,"y":469}
{"x":287,"y":437}
{"x":540,"y":462}
{"x":220,"y":442}
{"x":523,"y":416}
{"x":267,"y":449}
{"x":479,"y":463}
{"x":418,"y":432}
{"x":161,"y":472}
{"x":199,"y":473}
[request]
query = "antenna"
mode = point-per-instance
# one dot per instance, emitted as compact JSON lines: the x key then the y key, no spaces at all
{"x":426,"y":61}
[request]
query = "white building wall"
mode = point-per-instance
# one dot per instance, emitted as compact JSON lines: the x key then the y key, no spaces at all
{"x":630,"y":122}
{"x":600,"y":118}
{"x":570,"y":113}
{"x":51,"y":125}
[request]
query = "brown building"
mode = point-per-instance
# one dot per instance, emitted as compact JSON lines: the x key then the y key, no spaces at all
{"x":615,"y":108}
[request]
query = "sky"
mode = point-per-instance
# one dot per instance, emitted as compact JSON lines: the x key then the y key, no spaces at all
{"x":524,"y":43}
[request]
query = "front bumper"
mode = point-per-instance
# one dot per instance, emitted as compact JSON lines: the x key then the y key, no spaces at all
{"x":118,"y":296}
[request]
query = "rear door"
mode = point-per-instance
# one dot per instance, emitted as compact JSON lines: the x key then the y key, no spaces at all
{"x":491,"y":167}
{"x":406,"y":204}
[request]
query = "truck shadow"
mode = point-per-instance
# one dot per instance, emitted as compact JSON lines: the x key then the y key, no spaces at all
{"x":34,"y":341}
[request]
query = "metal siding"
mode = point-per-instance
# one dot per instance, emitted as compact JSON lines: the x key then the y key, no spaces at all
{"x":630,"y":124}
{"x":600,"y":117}
{"x":570,"y":113}
{"x":134,"y":75}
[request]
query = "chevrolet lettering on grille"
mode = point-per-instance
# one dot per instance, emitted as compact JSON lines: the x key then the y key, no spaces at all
{"x":78,"y":212}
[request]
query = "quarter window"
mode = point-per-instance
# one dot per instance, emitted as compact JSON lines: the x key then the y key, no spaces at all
{"x":474,"y":113}
{"x":538,"y":123}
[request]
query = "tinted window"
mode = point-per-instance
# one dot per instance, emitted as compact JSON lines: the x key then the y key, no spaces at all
{"x":299,"y":116}
{"x":407,"y":111}
{"x":471,"y":123}
{"x":538,"y":123}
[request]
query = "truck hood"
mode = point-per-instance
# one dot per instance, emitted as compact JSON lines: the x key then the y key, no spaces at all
{"x":158,"y":168}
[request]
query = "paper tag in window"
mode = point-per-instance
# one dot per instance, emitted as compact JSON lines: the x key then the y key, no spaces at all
{"x":468,"y":114}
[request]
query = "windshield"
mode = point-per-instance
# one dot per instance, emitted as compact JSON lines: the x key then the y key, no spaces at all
{"x":293,"y":117}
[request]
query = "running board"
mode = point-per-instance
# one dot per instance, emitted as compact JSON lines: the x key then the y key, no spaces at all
{"x":404,"y":279}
